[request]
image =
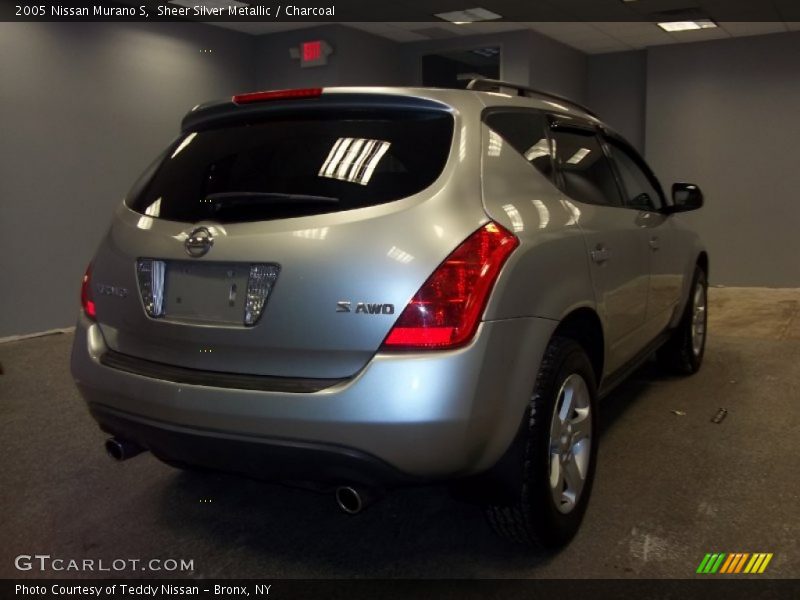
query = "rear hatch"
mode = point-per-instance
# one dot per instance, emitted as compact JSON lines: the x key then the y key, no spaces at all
{"x":284,"y":237}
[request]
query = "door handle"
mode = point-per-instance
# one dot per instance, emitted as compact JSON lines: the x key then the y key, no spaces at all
{"x":654,"y":243}
{"x":600,"y":254}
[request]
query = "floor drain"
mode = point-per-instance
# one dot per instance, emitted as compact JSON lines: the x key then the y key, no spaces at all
{"x":718,"y":418}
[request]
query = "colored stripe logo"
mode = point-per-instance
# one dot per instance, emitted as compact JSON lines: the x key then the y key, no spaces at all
{"x":734,"y":563}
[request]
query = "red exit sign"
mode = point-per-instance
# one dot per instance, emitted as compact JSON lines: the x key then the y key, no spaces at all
{"x":314,"y":53}
{"x":311,"y":50}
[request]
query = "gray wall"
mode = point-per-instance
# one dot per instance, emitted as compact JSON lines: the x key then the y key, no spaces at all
{"x":358,"y":58}
{"x":85,"y":107}
{"x":557,"y":68}
{"x":616,"y":90}
{"x":726,"y":115}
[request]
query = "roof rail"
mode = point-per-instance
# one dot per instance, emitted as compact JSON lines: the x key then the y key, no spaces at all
{"x":487,"y":85}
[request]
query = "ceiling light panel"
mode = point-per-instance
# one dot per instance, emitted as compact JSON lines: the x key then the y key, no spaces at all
{"x":470,"y":15}
{"x":674,"y":26}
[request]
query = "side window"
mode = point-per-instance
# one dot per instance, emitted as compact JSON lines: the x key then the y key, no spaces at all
{"x":640,"y":192}
{"x":584,"y":168}
{"x":526,"y":132}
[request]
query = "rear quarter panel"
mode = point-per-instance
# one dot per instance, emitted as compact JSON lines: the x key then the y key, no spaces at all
{"x":548,"y":275}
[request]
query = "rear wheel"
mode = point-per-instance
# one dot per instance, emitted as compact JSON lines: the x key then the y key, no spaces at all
{"x":684,"y":351}
{"x":560,"y":452}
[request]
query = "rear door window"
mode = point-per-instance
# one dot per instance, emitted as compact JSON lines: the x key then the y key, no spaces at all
{"x":296,"y":166}
{"x":526,"y":132}
{"x":585,"y":170}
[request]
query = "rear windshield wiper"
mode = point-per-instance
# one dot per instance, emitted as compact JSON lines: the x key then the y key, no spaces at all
{"x":223,"y":199}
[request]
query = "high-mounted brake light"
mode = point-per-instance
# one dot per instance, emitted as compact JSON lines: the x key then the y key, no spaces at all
{"x":252,"y":97}
{"x":446,"y":310}
{"x":87,"y":300}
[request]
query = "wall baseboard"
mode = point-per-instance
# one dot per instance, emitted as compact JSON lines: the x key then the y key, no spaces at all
{"x":27,"y":336}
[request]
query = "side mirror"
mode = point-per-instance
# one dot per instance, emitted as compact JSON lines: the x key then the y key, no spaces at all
{"x":685,"y":197}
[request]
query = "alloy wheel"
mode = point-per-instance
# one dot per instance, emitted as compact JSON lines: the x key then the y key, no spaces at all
{"x":570,"y":444}
{"x":698,"y":318}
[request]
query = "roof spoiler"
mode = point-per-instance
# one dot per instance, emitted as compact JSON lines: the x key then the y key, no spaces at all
{"x":235,"y":110}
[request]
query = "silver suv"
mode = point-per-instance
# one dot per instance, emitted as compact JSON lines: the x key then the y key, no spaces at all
{"x":371,"y":287}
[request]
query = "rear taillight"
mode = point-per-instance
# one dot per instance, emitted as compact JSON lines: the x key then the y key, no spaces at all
{"x":87,"y":300}
{"x":252,"y":97}
{"x":446,"y":310}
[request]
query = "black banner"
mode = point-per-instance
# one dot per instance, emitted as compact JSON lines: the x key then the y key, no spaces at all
{"x":584,"y":589}
{"x":314,"y":11}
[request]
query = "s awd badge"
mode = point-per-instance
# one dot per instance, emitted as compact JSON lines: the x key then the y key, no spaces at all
{"x":366,"y":308}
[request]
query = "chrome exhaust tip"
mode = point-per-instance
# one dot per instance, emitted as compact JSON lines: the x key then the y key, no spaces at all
{"x":351,"y":500}
{"x":120,"y":449}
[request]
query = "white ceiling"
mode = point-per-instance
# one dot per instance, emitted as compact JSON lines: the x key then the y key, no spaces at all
{"x":592,"y":38}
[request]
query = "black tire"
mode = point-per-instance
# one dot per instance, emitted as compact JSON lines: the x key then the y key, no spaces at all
{"x":533,"y":519}
{"x":678,"y":355}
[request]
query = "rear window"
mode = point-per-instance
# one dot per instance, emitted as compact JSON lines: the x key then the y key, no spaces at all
{"x":295,"y":166}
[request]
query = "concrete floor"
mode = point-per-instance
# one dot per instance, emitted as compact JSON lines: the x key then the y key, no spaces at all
{"x":669,"y":488}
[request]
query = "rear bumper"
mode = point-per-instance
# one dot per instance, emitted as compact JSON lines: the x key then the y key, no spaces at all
{"x":272,"y":459}
{"x":403,"y":417}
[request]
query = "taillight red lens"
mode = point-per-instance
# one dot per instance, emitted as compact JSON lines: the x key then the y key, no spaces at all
{"x":446,"y":310}
{"x":277,"y":95}
{"x":87,"y":300}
